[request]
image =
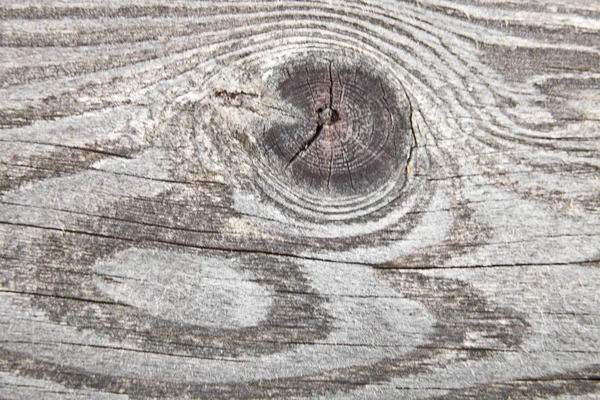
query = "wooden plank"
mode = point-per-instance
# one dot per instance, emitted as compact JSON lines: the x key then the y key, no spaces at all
{"x":343,"y":199}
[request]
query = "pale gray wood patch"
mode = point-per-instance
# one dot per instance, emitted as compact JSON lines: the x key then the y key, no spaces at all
{"x":154,"y":244}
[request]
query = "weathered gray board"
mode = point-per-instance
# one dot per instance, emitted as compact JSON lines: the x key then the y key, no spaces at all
{"x":178,"y":221}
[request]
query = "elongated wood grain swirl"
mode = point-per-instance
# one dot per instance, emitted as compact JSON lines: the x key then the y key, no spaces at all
{"x":347,"y":199}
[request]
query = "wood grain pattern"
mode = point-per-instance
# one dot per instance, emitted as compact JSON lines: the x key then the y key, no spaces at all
{"x":154,"y":244}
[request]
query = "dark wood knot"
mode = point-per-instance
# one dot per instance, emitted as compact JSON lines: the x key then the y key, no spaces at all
{"x":352,"y":134}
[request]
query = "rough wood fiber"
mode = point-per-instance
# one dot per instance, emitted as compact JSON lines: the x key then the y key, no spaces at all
{"x":370,"y":199}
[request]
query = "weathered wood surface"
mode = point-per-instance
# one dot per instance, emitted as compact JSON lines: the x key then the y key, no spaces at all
{"x":178,"y":221}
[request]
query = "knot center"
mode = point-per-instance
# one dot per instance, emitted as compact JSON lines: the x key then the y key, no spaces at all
{"x":327,"y":116}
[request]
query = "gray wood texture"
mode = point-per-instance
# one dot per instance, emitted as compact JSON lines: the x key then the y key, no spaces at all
{"x":154,"y":244}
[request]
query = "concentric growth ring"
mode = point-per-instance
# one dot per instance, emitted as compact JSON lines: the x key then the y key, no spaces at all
{"x":350,"y":144}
